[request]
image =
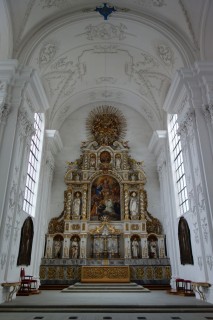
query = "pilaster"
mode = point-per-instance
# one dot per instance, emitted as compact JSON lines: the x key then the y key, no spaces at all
{"x":23,"y":94}
{"x":191,"y":97}
{"x":52,"y":145}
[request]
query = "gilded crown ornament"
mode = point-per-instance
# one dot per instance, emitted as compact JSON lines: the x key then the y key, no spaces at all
{"x":106,"y":124}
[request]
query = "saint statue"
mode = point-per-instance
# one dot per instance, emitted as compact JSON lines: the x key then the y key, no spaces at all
{"x":133,"y":204}
{"x":57,"y":248}
{"x":74,"y":249}
{"x":135,"y":248}
{"x":153,"y":249}
{"x":76,"y":204}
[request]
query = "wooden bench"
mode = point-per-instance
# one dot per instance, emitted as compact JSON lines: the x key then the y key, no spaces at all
{"x":13,"y":287}
{"x":199,"y":288}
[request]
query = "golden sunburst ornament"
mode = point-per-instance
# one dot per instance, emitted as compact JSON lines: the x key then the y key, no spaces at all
{"x":105,"y":125}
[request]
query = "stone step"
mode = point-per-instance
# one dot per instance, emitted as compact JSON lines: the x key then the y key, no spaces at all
{"x":105,"y":287}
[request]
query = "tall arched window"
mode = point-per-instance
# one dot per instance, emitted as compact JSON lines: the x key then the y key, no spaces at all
{"x":178,"y":165}
{"x":33,"y":167}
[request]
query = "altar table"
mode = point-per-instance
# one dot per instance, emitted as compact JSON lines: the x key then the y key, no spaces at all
{"x":105,"y":274}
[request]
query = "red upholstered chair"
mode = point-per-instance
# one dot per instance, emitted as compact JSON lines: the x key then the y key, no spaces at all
{"x":28,"y":284}
{"x":188,"y":286}
{"x":180,"y":284}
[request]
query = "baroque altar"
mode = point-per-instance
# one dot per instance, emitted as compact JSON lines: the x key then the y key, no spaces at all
{"x":105,"y":219}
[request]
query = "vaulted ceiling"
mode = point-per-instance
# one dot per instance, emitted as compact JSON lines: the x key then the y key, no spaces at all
{"x":128,"y":59}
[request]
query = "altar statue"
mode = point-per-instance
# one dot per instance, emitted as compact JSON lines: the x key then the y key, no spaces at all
{"x":77,"y":204}
{"x":135,"y":248}
{"x":133,"y":204}
{"x":74,"y":249}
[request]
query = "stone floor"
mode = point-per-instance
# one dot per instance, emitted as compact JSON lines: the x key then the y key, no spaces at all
{"x":57,"y":305}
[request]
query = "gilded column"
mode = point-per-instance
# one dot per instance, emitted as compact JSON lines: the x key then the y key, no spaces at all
{"x":84,"y":203}
{"x":126,"y":202}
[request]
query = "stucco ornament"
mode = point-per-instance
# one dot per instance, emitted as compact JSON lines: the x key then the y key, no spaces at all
{"x":47,"y":53}
{"x":106,"y":31}
{"x":165,"y":53}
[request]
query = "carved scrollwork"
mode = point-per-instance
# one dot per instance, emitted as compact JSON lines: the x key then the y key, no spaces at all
{"x":56,"y":225}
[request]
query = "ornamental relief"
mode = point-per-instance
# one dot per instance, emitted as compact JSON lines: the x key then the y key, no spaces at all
{"x":3,"y":260}
{"x":205,"y":229}
{"x":200,"y":262}
{"x":47,"y":53}
{"x":4,"y":112}
{"x":25,"y":124}
{"x":106,"y":31}
{"x":53,"y":3}
{"x":196,"y":232}
{"x":166,"y":54}
{"x":151,"y":3}
{"x":209,"y":261}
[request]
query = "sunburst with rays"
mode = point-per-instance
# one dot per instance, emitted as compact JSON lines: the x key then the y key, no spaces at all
{"x":106,"y":124}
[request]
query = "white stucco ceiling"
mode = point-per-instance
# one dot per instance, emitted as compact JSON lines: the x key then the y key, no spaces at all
{"x":128,"y":60}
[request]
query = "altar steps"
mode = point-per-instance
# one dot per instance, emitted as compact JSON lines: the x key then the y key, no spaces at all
{"x":105,"y":287}
{"x":63,"y":286}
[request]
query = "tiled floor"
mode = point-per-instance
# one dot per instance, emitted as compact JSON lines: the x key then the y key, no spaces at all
{"x":154,"y":305}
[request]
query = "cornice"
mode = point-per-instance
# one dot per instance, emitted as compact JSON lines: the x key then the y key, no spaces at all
{"x":54,"y":143}
{"x":157,"y":142}
{"x":196,"y":83}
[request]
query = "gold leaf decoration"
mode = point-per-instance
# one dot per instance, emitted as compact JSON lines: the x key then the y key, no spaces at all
{"x":106,"y":124}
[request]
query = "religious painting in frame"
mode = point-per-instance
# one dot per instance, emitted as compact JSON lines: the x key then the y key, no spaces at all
{"x":105,"y":199}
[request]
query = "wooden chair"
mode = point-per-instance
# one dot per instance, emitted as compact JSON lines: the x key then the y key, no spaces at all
{"x":28,"y":283}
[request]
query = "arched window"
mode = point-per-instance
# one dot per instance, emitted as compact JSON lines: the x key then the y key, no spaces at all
{"x":33,"y":166}
{"x":178,"y":165}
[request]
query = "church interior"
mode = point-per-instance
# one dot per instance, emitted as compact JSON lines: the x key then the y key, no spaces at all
{"x":106,"y":151}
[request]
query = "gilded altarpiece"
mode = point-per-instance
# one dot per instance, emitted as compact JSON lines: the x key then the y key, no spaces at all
{"x":105,"y":219}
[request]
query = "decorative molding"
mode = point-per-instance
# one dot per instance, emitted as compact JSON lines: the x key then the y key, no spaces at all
{"x":151,"y":3}
{"x":12,"y":261}
{"x":106,"y":31}
{"x":200,"y":262}
{"x":25,"y":125}
{"x":3,"y":86}
{"x":8,"y":226}
{"x":186,"y":127}
{"x":208,"y":113}
{"x":50,"y":162}
{"x":47,"y":53}
{"x":196,"y":232}
{"x":4,"y":112}
{"x":103,"y":48}
{"x":189,"y":24}
{"x":110,"y":80}
{"x":166,"y":54}
{"x":53,"y":3}
{"x":3,"y":260}
{"x":204,"y":225}
{"x":209,"y":261}
{"x":12,"y":195}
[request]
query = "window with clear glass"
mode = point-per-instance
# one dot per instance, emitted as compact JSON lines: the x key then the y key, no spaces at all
{"x":177,"y":158}
{"x":33,"y":166}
